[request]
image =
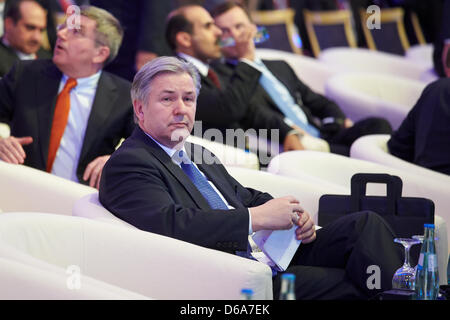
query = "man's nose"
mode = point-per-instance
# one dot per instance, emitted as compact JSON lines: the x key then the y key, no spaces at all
{"x":218,"y":31}
{"x":180,"y":107}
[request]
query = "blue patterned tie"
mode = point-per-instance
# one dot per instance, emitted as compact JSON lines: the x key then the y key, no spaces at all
{"x":283,"y":99}
{"x":202,"y":184}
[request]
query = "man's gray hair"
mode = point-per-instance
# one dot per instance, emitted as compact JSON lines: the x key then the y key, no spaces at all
{"x":141,"y":86}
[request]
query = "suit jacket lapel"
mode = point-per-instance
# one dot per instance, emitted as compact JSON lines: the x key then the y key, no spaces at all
{"x":45,"y":100}
{"x":174,"y":170}
{"x":102,"y":107}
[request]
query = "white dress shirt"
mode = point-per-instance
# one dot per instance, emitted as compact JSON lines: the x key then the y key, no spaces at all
{"x":81,"y":100}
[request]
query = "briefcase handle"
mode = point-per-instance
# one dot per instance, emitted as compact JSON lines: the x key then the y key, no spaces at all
{"x":359,"y":183}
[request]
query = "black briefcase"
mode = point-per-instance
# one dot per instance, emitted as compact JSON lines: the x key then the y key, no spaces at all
{"x":405,"y":215}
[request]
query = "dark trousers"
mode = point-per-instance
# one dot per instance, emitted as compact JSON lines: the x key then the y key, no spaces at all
{"x":335,"y":265}
{"x":341,"y":141}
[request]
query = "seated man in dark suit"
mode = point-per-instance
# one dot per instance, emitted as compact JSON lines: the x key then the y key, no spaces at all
{"x":192,"y":35}
{"x":281,"y":92}
{"x":158,"y":183}
{"x":423,"y":137}
{"x":24,"y":23}
{"x":67,"y":116}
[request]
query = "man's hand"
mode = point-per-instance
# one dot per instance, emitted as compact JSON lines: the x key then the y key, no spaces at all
{"x":292,"y":142}
{"x":276,"y":214}
{"x":245,"y":47}
{"x":142,"y":57}
{"x":93,"y":171}
{"x":306,"y":230}
{"x":11,"y":150}
{"x":348,"y":123}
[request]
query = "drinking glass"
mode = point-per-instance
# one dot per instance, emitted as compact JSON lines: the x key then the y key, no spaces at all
{"x":404,"y":276}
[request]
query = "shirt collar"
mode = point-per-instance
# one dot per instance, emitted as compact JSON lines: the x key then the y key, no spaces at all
{"x":171,"y":152}
{"x":200,"y":65}
{"x":86,"y":82}
{"x":20,"y":54}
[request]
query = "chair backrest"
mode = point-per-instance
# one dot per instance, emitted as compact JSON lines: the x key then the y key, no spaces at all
{"x":417,"y":29}
{"x":90,"y":207}
{"x":361,"y":95}
{"x":24,"y":188}
{"x":374,"y":148}
{"x":307,"y":192}
{"x":283,"y":33}
{"x":391,"y":35}
{"x":327,"y":29}
{"x":365,"y":60}
{"x":228,"y":155}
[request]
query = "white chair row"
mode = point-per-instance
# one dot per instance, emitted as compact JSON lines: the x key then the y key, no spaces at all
{"x":362,"y":82}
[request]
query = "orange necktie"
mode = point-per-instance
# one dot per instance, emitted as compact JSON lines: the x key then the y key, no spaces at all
{"x":59,"y":121}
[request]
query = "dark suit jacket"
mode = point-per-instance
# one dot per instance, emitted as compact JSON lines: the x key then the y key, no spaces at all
{"x":143,"y":22}
{"x":8,"y":57}
{"x":225,"y":107}
{"x":141,"y":185}
{"x":27,"y":101}
{"x":262,"y":111}
{"x":423,"y":137}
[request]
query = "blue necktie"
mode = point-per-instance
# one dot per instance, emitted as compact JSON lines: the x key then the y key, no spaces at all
{"x":283,"y":99}
{"x":201,"y":183}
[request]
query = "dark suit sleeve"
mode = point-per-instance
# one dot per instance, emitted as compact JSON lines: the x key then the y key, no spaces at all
{"x":423,"y":137}
{"x":320,"y":106}
{"x":137,"y":189}
{"x":259,"y":116}
{"x":7,"y":87}
{"x":151,"y":26}
{"x":221,"y":107}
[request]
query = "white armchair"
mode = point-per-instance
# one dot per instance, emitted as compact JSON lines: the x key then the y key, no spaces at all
{"x":24,"y":188}
{"x":307,"y":192}
{"x":143,"y":263}
{"x":361,"y":95}
{"x":365,"y":60}
{"x":331,"y":169}
{"x":228,"y":155}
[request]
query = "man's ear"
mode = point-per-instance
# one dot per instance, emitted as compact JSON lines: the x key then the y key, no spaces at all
{"x":8,"y":24}
{"x":183,"y":39}
{"x":102,"y":54}
{"x":138,"y":109}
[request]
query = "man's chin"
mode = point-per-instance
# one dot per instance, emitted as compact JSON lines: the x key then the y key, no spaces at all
{"x":179,"y":136}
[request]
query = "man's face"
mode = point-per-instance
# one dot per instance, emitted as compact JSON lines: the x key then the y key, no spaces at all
{"x":26,"y":34}
{"x":205,"y":34}
{"x":233,"y":23}
{"x":170,"y":111}
{"x":77,"y":48}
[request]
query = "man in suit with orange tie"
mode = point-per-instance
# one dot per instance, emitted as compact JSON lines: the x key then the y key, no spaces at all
{"x":67,"y":115}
